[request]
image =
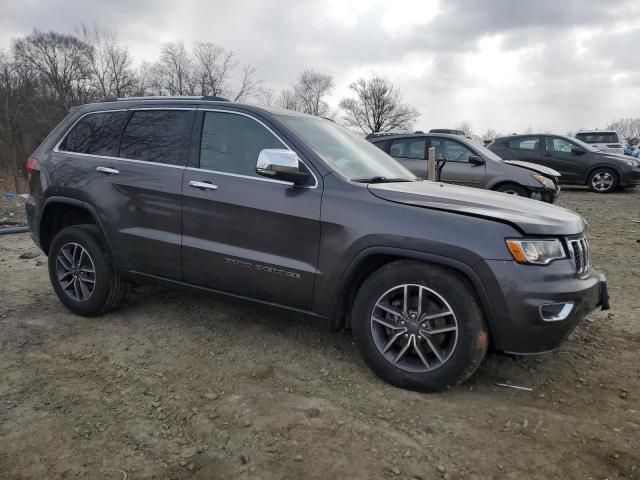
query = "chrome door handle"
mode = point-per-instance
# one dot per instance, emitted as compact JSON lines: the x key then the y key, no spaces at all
{"x":203,"y":185}
{"x":110,"y":171}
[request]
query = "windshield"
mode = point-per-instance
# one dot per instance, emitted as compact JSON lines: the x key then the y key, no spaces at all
{"x":345,"y":152}
{"x":486,"y":152}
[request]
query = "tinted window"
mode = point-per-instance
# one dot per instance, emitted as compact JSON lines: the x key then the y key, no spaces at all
{"x":96,"y":133}
{"x":409,"y":148}
{"x":161,"y":136}
{"x":607,"y":137}
{"x":231,"y":143}
{"x":451,"y":150}
{"x":525,"y":143}
{"x":556,"y":144}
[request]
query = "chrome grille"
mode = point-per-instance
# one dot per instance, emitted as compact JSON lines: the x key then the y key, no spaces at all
{"x":579,"y":253}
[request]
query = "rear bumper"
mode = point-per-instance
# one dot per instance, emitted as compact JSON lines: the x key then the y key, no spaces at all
{"x":522,"y":295}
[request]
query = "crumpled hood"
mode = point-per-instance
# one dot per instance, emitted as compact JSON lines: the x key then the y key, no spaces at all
{"x":529,"y":216}
{"x":550,"y":172}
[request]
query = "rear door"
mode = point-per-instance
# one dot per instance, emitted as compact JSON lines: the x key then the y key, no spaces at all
{"x":411,"y":152}
{"x":458,"y":169}
{"x":137,"y":191}
{"x":558,"y":155}
{"x":242,"y":233}
{"x":526,"y":149}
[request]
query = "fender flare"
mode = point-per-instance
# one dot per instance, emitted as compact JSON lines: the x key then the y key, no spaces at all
{"x":466,"y":270}
{"x":76,"y":203}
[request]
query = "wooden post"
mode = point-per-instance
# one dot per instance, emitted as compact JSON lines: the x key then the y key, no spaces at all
{"x":431,"y":165}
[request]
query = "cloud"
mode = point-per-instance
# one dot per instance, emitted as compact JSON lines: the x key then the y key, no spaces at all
{"x":504,"y":64}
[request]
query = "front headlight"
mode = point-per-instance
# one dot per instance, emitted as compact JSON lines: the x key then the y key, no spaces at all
{"x":542,"y":180}
{"x":538,"y":252}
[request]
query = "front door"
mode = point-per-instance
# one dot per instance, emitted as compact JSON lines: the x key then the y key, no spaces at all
{"x":558,"y":154}
{"x":458,"y":169}
{"x":242,"y":233}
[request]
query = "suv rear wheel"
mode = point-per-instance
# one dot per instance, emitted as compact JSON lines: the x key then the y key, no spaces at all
{"x":419,"y":326}
{"x":603,"y":180}
{"x":81,"y":271}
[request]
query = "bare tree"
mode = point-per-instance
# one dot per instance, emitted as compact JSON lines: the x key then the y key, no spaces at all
{"x":213,"y":66}
{"x":250,"y":86}
{"x":490,"y":133}
{"x":627,"y":127}
{"x":174,"y":71}
{"x":465,"y":126}
{"x":377,"y":107}
{"x":110,"y":63}
{"x":61,"y":60}
{"x":288,"y":100}
{"x":311,"y":89}
{"x":266,"y":97}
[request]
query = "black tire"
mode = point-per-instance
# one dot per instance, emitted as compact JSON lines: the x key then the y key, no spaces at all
{"x":108,"y":289}
{"x":472,"y":338}
{"x":603,"y":180}
{"x":512,"y":189}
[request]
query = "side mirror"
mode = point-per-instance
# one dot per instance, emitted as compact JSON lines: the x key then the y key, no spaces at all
{"x":476,"y":160}
{"x":577,"y":150}
{"x":281,"y":164}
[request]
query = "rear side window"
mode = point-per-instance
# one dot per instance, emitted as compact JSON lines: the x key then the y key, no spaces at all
{"x":96,"y":134}
{"x":161,"y":136}
{"x":606,"y":137}
{"x":525,"y":143}
{"x":231,"y":143}
{"x":409,"y":148}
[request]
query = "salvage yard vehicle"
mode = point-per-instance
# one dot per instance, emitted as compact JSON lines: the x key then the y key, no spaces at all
{"x":466,"y":162}
{"x":578,"y":163}
{"x":608,"y":141}
{"x":297,"y":212}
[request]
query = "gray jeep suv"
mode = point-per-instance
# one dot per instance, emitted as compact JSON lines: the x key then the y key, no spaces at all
{"x":295,"y":211}
{"x":465,"y":162}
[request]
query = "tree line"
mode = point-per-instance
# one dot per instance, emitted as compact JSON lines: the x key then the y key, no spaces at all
{"x":44,"y":74}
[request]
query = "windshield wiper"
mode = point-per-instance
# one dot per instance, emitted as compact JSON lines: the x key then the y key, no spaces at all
{"x":381,"y":180}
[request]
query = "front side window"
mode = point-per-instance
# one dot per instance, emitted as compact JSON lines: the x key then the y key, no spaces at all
{"x":96,"y":134}
{"x":160,"y":136}
{"x":559,"y":145}
{"x":451,"y":150}
{"x":409,"y":148}
{"x":525,"y":143}
{"x":231,"y":143}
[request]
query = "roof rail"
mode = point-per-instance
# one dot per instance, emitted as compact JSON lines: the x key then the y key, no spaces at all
{"x":382,"y":134}
{"x":166,"y":97}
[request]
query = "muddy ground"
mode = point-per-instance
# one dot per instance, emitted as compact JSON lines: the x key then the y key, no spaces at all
{"x":177,"y":385}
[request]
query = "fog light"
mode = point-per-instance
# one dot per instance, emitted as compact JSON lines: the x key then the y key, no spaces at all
{"x":555,"y":312}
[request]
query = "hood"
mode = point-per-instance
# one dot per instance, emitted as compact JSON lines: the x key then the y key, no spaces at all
{"x":529,"y":216}
{"x":550,"y":172}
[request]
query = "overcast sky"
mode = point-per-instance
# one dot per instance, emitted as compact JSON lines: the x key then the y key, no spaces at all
{"x":504,"y":64}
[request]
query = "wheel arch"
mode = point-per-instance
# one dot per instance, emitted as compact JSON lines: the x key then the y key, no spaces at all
{"x":373,"y":258}
{"x":60,"y":212}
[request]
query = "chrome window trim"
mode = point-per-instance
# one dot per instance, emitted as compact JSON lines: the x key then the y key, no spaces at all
{"x":195,"y":109}
{"x":220,"y":110}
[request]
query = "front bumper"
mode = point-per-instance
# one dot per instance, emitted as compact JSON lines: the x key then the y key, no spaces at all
{"x":517,"y":293}
{"x":545,"y":194}
{"x":631,"y":178}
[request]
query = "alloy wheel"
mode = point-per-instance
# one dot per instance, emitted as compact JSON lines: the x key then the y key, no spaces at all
{"x":76,"y":272}
{"x":414,"y":328}
{"x":602,"y":181}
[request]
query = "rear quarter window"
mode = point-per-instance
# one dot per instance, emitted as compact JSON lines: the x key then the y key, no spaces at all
{"x":96,"y":134}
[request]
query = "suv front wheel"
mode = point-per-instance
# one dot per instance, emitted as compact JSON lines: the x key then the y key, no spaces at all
{"x":81,"y":272}
{"x":603,"y":180}
{"x":419,"y":326}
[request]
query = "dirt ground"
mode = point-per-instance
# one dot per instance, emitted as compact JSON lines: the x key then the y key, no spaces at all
{"x":177,"y":385}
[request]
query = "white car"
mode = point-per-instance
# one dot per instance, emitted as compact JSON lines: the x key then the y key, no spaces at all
{"x":604,"y":140}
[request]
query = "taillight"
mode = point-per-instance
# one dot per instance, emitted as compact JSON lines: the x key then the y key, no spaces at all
{"x":32,"y":165}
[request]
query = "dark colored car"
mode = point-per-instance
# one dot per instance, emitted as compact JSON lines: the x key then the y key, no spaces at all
{"x":578,"y":163}
{"x":470,"y":164}
{"x":296,"y":212}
